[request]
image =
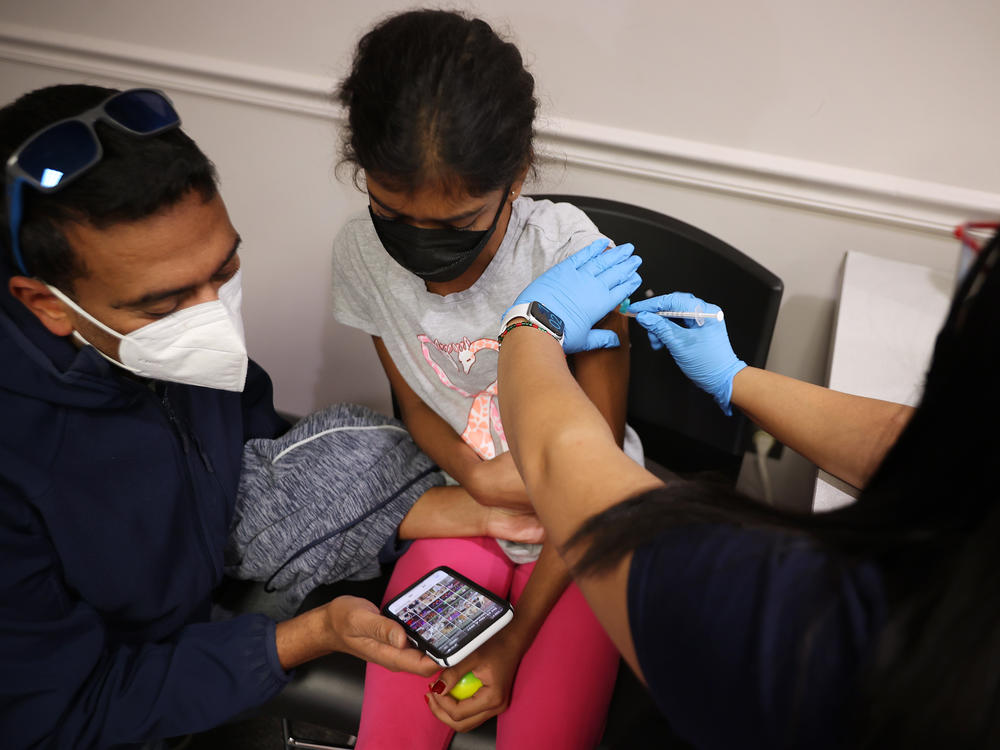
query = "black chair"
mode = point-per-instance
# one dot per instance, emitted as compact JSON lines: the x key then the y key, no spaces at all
{"x":680,"y":426}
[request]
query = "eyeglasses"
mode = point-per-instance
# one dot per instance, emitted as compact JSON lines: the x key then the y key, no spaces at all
{"x":59,"y":153}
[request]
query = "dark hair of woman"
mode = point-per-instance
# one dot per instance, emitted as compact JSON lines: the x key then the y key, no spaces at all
{"x":929,"y":519}
{"x":436,"y":98}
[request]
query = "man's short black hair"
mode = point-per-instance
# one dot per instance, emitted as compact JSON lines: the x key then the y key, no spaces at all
{"x":136,"y":178}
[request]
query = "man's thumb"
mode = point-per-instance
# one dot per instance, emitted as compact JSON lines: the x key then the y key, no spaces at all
{"x":385,"y":630}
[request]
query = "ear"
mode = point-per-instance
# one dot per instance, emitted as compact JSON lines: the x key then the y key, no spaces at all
{"x":515,"y":189}
{"x":48,"y":308}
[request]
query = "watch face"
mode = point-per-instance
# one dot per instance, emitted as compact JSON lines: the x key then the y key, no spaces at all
{"x":547,"y":318}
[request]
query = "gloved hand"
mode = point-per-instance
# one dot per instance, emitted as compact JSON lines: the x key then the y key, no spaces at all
{"x":703,"y":353}
{"x":583,"y":289}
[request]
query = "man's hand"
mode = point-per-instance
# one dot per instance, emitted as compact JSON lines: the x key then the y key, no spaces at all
{"x":498,"y":482}
{"x":354,"y":626}
{"x":361,"y":631}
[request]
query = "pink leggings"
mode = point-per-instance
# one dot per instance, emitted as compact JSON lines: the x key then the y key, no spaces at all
{"x":563,"y":685}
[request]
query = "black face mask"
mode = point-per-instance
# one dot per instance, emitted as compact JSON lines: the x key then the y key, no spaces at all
{"x":433,"y":254}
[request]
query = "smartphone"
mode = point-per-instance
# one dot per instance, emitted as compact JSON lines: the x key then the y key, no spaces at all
{"x":447,"y":616}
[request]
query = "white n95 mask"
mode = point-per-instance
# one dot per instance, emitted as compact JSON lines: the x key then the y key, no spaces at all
{"x":199,"y":345}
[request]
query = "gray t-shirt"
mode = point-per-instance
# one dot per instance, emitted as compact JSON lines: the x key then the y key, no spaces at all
{"x":445,"y":347}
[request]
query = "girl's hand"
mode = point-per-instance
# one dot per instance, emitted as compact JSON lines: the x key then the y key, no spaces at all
{"x":498,"y":482}
{"x":514,"y":525}
{"x":495,"y":663}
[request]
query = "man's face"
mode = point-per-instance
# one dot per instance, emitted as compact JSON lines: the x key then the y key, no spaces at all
{"x":138,"y":272}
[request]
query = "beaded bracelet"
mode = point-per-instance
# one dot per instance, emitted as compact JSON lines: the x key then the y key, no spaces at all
{"x":520,"y":323}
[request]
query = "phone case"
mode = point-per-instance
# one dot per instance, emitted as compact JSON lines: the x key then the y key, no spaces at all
{"x":477,"y":640}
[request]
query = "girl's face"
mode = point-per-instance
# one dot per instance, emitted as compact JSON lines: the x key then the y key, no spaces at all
{"x":435,"y":208}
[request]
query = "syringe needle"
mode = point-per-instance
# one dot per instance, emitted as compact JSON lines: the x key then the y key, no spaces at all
{"x":678,"y":314}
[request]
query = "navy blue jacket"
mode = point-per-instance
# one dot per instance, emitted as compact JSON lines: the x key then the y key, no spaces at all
{"x":115,"y":502}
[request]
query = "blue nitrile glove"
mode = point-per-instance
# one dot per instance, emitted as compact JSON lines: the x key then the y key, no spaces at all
{"x":583,"y":289}
{"x":703,"y":353}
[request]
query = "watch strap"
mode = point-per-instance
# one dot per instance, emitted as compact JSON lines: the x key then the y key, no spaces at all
{"x":523,"y":324}
{"x":523,"y":310}
{"x":517,"y":311}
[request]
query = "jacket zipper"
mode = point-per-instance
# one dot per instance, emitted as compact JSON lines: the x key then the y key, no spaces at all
{"x":186,"y":439}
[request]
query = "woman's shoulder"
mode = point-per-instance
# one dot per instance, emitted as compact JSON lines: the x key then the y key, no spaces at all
{"x":756,"y":571}
{"x":730,"y":554}
{"x":742,"y":617}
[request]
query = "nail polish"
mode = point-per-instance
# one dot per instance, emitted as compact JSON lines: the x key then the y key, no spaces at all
{"x":438,"y":687}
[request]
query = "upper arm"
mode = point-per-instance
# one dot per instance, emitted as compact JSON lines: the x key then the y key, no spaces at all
{"x":607,"y":595}
{"x":430,"y":431}
{"x":406,"y":397}
{"x":603,"y":375}
{"x":355,"y":284}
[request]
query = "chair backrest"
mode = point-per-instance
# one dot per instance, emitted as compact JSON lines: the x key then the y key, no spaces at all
{"x":681,"y":427}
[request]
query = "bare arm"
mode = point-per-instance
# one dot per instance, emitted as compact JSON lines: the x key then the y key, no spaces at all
{"x":494,"y":482}
{"x":434,"y":436}
{"x":570,"y":462}
{"x":452,"y":512}
{"x":846,"y":435}
{"x":603,"y":375}
{"x":603,"y":379}
{"x":843,"y":434}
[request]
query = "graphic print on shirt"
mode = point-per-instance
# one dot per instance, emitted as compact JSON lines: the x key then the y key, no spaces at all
{"x":470,"y":368}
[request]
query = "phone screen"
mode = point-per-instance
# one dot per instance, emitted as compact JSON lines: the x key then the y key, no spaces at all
{"x":445,"y":611}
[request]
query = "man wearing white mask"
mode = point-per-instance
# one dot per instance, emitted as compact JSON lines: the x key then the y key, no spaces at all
{"x":126,"y":396}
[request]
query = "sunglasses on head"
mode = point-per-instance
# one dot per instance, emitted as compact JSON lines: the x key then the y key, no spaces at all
{"x":59,"y":153}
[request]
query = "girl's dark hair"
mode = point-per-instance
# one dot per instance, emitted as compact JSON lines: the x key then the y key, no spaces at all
{"x":435,"y":98}
{"x":929,"y":519}
{"x":135,"y":178}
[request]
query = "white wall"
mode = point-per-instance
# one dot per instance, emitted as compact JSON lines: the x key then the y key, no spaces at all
{"x":793,"y":129}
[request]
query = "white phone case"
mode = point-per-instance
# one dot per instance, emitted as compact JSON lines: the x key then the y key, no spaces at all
{"x":479,"y":640}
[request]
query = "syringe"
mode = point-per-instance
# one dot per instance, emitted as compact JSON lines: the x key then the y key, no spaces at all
{"x":696,"y":315}
{"x":701,"y":317}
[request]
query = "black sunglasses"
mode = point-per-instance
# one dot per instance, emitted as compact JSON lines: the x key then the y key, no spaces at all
{"x":59,"y":153}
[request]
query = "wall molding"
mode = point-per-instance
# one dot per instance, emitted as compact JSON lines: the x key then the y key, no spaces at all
{"x":798,"y":183}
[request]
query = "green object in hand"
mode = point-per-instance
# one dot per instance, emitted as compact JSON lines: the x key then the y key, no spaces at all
{"x":623,"y":307}
{"x":466,"y":687}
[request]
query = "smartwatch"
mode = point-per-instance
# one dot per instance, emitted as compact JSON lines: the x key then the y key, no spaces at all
{"x":540,"y":315}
